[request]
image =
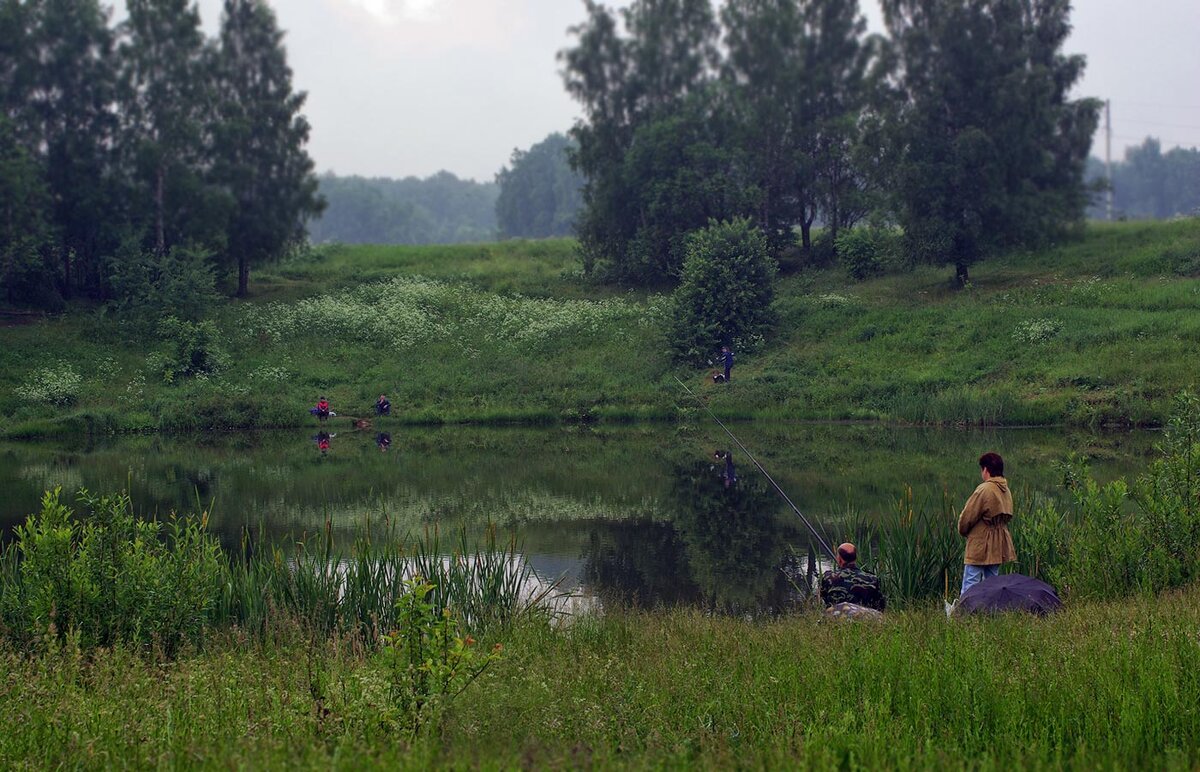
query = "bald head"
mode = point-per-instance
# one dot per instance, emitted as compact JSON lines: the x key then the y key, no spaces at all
{"x":846,"y":553}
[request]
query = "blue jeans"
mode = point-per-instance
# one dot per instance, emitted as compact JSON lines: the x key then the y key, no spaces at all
{"x":973,"y":575}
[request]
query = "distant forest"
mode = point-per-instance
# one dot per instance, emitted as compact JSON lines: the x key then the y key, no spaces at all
{"x":537,"y":195}
{"x":1149,"y":184}
{"x":441,"y":209}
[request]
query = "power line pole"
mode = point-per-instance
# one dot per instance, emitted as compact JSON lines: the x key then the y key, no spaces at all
{"x":1108,"y":156}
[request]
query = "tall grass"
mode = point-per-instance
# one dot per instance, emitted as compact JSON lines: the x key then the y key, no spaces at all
{"x":116,"y":578}
{"x":1099,"y":686}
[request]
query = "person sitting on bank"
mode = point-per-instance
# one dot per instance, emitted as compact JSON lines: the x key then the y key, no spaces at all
{"x":382,"y":406}
{"x":322,"y":409}
{"x":848,"y":584}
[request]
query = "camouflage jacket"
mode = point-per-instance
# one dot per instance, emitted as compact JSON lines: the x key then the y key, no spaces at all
{"x":850,"y":585}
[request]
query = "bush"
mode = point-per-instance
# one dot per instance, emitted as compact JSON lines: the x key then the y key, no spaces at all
{"x":148,"y":287}
{"x":110,"y":578}
{"x":725,"y":293}
{"x":1122,"y":538}
{"x":193,"y":348}
{"x":58,"y":385}
{"x":866,"y":252}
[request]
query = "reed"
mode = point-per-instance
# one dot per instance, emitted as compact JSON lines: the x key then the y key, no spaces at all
{"x":173,"y":585}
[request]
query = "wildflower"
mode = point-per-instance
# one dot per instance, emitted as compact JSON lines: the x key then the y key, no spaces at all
{"x":469,"y":641}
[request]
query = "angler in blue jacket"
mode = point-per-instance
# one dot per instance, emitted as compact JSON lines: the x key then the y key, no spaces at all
{"x":727,"y":360}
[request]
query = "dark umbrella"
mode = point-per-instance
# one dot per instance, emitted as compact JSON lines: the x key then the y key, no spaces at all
{"x":1010,"y":592}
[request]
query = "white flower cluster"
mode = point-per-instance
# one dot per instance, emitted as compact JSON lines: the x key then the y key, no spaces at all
{"x":58,"y":385}
{"x":1037,"y":330}
{"x":834,"y":300}
{"x":269,"y":374}
{"x":407,"y":311}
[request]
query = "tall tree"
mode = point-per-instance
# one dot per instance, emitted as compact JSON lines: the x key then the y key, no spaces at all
{"x":992,"y":150}
{"x":166,"y":102}
{"x":25,"y":236}
{"x":70,"y":103}
{"x":765,"y":76}
{"x":260,"y":140}
{"x":628,"y":71}
{"x":802,"y":74}
{"x":540,"y":194}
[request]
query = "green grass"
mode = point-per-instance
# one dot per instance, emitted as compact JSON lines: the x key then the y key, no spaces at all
{"x":1100,"y":686}
{"x":1097,"y":331}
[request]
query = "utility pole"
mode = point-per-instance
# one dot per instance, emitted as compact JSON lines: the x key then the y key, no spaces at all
{"x":1108,"y":157}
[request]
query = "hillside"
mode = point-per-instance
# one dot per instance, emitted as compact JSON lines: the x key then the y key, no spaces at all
{"x":1102,"y":330}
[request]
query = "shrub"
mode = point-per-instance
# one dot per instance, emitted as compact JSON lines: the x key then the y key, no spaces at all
{"x":428,"y":661}
{"x":1123,"y":538}
{"x":867,"y":252}
{"x":58,"y":385}
{"x":860,"y":252}
{"x":148,"y":287}
{"x":193,"y":348}
{"x":725,"y":293}
{"x":112,"y":577}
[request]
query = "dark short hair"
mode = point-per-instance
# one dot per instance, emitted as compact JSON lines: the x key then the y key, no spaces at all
{"x":993,"y":463}
{"x":848,"y":555}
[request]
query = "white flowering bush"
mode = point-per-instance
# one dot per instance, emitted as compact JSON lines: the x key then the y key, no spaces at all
{"x":57,"y":385}
{"x":268,"y":374}
{"x":835,"y":300}
{"x":407,"y":311}
{"x":1037,"y":330}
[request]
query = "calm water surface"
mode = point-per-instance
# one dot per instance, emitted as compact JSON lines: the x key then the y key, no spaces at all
{"x":639,"y":515}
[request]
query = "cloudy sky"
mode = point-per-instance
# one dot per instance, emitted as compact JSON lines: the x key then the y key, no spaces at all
{"x":410,"y":87}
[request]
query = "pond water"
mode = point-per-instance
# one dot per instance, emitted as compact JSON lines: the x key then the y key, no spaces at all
{"x":641,"y":515}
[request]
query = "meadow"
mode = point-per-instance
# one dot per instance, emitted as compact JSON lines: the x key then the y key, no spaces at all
{"x":1103,"y":685}
{"x":1100,"y":331}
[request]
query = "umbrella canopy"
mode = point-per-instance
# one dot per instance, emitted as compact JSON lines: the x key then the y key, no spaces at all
{"x":1009,"y":592}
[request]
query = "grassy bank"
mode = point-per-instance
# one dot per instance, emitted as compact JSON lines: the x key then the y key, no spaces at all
{"x":1098,"y":331}
{"x":1100,"y":686}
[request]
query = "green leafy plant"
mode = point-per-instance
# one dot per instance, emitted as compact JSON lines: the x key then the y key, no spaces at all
{"x":193,"y":348}
{"x":725,"y":291}
{"x":428,"y":661}
{"x":111,"y":577}
{"x":864,"y":252}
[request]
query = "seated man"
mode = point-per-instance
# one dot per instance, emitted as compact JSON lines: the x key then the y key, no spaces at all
{"x":850,"y":585}
{"x":383,"y":406}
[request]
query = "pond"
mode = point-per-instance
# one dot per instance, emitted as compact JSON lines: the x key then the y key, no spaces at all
{"x":642,"y":515}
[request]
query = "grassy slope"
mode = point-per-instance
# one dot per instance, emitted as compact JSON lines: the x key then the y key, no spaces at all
{"x":1101,"y":330}
{"x":1099,"y":686}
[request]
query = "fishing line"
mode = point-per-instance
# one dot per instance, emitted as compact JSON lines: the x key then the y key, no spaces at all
{"x":816,"y":534}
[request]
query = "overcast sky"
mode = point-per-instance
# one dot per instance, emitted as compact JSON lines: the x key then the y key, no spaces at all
{"x":410,"y":87}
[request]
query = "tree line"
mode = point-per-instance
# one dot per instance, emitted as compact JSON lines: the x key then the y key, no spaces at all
{"x":1149,"y":184}
{"x":956,"y":126}
{"x":136,"y":153}
{"x":440,"y":209}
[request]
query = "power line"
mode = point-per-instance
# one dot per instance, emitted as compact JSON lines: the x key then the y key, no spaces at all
{"x":1163,"y":140}
{"x":1157,"y":104}
{"x":1156,"y":123}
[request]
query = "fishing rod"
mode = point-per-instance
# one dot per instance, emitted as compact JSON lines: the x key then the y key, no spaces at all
{"x":816,"y":534}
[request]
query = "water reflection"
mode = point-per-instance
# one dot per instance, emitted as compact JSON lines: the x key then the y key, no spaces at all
{"x":384,"y":441}
{"x":726,"y":548}
{"x":324,"y":441}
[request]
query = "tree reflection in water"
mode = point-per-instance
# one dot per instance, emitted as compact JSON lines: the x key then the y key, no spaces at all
{"x":727,"y":549}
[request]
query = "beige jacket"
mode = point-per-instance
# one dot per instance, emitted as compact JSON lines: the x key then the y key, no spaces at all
{"x":984,"y":521}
